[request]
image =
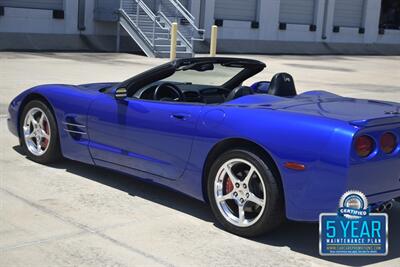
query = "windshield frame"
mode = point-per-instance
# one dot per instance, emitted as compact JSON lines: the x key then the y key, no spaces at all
{"x":217,"y":74}
{"x":250,"y":68}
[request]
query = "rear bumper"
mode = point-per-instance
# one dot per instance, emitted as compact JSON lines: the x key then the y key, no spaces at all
{"x":384,"y":196}
{"x":378,"y":180}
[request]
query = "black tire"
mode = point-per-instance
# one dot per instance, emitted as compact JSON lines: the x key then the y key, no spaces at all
{"x":53,"y":152}
{"x":273,"y":214}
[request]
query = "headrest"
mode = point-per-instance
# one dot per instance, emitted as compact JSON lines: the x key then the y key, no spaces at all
{"x":282,"y":84}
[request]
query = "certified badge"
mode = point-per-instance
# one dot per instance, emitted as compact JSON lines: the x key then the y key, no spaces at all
{"x":353,"y":230}
{"x":353,"y":205}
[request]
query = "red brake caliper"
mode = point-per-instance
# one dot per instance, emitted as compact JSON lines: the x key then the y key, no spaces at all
{"x":228,"y":185}
{"x":46,"y":129}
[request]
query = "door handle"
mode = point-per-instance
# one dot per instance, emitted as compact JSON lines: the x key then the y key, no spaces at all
{"x":180,"y":116}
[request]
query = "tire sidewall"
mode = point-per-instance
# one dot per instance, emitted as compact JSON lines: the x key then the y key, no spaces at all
{"x":273,"y":195}
{"x":53,"y":152}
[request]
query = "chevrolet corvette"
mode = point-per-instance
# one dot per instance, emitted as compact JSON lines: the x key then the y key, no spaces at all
{"x":257,"y":154}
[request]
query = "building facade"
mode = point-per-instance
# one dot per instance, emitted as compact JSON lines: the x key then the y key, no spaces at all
{"x":253,"y":26}
{"x":316,"y":22}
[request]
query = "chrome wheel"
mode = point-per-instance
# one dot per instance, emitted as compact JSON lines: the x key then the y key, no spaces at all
{"x":240,"y":192}
{"x":36,"y":130}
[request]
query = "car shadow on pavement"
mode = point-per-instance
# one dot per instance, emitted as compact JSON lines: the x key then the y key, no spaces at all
{"x":298,"y":236}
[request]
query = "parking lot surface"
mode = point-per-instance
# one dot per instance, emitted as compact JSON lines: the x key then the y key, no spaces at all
{"x":72,"y":214}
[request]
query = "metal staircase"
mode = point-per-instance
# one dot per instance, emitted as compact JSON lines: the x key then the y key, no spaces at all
{"x":150,"y":29}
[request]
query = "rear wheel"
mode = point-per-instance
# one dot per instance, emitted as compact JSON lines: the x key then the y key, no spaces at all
{"x":244,"y":194}
{"x":38,"y":133}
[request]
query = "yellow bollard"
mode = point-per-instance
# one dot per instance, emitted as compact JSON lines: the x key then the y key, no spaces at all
{"x":213,"y":43}
{"x":174,"y":30}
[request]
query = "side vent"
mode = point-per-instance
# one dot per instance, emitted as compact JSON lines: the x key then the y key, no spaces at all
{"x":75,"y":130}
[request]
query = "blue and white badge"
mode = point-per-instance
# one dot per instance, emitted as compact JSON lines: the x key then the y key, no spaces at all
{"x":353,"y":231}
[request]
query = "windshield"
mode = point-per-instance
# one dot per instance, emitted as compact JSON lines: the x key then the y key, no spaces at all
{"x":205,"y":73}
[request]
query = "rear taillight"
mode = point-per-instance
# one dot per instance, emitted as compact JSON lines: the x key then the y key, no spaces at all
{"x":364,"y":146}
{"x":388,"y":142}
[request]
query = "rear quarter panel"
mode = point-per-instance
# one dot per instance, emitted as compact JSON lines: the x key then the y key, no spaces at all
{"x":321,"y":144}
{"x":324,"y":145}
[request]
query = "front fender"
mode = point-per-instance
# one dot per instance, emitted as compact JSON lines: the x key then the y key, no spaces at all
{"x":70,"y":107}
{"x":14,"y":110}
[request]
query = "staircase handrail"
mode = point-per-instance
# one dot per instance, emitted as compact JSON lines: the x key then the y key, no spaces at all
{"x":146,"y":9}
{"x":183,"y":8}
{"x":178,"y":32}
{"x":126,"y":16}
{"x":188,"y":16}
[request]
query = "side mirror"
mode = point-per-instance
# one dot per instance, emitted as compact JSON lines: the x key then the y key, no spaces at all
{"x":120,"y":93}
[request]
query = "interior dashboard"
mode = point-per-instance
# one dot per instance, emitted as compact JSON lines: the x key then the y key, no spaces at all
{"x":197,"y":93}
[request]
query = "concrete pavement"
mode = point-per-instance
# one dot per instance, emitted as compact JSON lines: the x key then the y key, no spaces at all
{"x":71,"y":214}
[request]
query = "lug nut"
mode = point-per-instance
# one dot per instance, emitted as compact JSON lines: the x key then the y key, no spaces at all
{"x":235,"y":194}
{"x":244,"y":186}
{"x":241,"y":200}
{"x":237,"y":184}
{"x":247,"y":195}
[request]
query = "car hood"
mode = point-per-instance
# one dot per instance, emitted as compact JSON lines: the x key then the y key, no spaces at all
{"x":96,"y":86}
{"x":359,"y":112}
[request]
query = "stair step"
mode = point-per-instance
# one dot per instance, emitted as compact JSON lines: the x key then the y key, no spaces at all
{"x":148,"y":22}
{"x":143,"y":16}
{"x":167,"y":48}
{"x":157,"y":34}
{"x":165,"y":54}
{"x":145,"y":21}
{"x":150,"y":26}
{"x":156,"y":30}
{"x":166,"y":42}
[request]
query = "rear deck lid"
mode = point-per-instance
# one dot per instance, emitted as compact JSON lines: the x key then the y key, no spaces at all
{"x":358,"y":112}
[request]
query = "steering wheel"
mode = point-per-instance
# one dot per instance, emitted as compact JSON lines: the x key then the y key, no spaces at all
{"x":172,"y":87}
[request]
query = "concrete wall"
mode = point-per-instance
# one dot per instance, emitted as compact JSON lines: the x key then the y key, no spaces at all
{"x":234,"y":36}
{"x":39,"y":21}
{"x":269,"y":20}
{"x":35,"y":29}
{"x":21,"y":20}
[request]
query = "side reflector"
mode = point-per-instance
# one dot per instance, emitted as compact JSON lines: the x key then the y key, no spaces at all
{"x":295,"y":166}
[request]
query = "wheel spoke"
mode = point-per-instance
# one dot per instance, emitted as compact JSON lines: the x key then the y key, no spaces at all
{"x":253,"y":198}
{"x":231,"y":176}
{"x":27,"y":132}
{"x":249,"y":175}
{"x":30,"y":135}
{"x":241,"y":213}
{"x":41,"y":119}
{"x":32,"y":120}
{"x":38,"y":145}
{"x":44,"y":134}
{"x":225,"y":197}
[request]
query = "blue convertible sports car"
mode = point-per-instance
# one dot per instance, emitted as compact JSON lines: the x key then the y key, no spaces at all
{"x":256,"y":154}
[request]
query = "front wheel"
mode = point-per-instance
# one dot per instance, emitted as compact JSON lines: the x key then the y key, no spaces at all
{"x":244,"y":194}
{"x":38,"y":133}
